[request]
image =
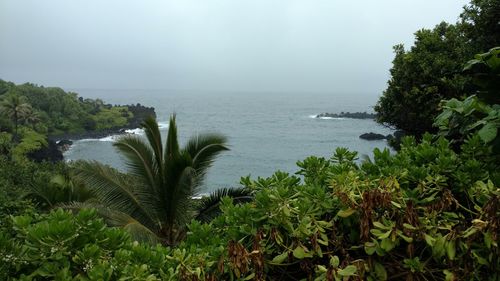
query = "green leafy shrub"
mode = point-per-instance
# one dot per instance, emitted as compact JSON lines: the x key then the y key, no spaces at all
{"x":478,"y":114}
{"x":425,"y":213}
{"x":63,"y":246}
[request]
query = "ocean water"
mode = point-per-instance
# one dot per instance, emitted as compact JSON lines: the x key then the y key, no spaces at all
{"x":266,"y":131}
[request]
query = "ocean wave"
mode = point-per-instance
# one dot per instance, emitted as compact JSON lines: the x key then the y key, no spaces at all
{"x":84,"y":140}
{"x":315,"y":116}
{"x":136,"y":131}
{"x":111,"y":138}
{"x":163,"y":125}
{"x":115,"y":137}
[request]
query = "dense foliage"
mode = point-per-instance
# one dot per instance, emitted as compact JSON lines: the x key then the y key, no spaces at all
{"x":30,"y":115}
{"x":54,"y":111}
{"x":59,"y":112}
{"x":478,"y":114}
{"x":431,"y":69}
{"x":426,"y":213}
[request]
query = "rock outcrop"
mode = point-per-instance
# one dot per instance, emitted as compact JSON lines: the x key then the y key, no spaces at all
{"x":50,"y":153}
{"x":374,"y":136}
{"x":352,"y":115}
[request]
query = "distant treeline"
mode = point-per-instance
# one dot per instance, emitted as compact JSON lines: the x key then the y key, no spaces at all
{"x":53,"y":111}
{"x":32,"y":116}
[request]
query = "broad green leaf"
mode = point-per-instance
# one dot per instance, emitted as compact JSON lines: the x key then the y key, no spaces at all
{"x":488,"y":239}
{"x":250,"y":277}
{"x":381,"y":226}
{"x":334,"y":261}
{"x":409,"y":226}
{"x":395,"y":204}
{"x":299,"y":252}
{"x":346,"y":213}
{"x":488,"y":132}
{"x":370,"y":248}
{"x":321,"y":268}
{"x":387,"y":244}
{"x":430,"y":241}
{"x":380,"y":272}
{"x":450,"y":249}
{"x":470,"y":231}
{"x":348,"y":270}
{"x":406,"y":238}
{"x":280,"y":258}
{"x":385,"y":235}
{"x":438,"y":248}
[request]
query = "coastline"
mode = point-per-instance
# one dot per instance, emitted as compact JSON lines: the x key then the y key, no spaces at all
{"x":92,"y":134}
{"x":139,"y":112}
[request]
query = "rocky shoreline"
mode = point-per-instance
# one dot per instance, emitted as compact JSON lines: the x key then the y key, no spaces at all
{"x":139,"y":111}
{"x":65,"y":140}
{"x":91,"y":134}
{"x":375,"y":136}
{"x":352,"y":115}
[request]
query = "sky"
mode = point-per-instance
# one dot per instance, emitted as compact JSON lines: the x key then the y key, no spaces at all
{"x":211,"y":45}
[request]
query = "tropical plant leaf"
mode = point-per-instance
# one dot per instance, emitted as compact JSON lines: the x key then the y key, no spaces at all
{"x":209,"y":206}
{"x":116,"y":191}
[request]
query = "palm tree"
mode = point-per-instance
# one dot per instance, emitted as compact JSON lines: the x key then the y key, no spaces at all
{"x":31,"y":117}
{"x":154,"y":201}
{"x":15,"y":107}
{"x":59,"y":189}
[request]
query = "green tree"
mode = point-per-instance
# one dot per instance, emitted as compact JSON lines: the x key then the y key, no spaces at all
{"x":479,"y":22}
{"x":15,"y":107}
{"x":421,"y":77}
{"x":431,"y":70}
{"x":155,"y":200}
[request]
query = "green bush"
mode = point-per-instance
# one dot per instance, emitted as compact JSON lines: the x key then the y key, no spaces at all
{"x":426,"y":213}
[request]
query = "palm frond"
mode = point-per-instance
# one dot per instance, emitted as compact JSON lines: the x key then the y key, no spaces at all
{"x":203,"y":150}
{"x":78,"y":206}
{"x":141,"y":233}
{"x":137,"y":231}
{"x":154,"y":139}
{"x":116,"y":191}
{"x":179,"y":189}
{"x":41,"y":194}
{"x":184,"y":210}
{"x":209,"y":207}
{"x":172,"y":144}
{"x":140,"y":159}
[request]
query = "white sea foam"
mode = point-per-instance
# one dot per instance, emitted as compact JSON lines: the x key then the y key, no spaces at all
{"x":136,"y":131}
{"x":315,"y":116}
{"x":85,"y":140}
{"x":111,"y":138}
{"x":163,"y":125}
{"x":200,"y":196}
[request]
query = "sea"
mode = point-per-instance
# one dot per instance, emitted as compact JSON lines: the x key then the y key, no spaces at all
{"x":267,"y":131}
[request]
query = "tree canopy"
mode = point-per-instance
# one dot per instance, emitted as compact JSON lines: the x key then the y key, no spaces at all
{"x":431,"y":70}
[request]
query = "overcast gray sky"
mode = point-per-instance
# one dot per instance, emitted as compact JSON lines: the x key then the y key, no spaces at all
{"x":244,"y":45}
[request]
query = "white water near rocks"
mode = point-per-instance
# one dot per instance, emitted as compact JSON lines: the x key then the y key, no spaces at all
{"x":266,"y":131}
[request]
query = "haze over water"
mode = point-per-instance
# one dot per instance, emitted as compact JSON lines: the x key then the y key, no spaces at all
{"x":267,"y":132}
{"x":259,"y":68}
